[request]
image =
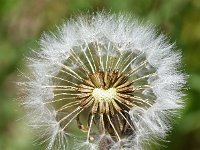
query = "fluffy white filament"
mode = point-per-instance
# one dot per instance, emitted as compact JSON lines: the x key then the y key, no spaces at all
{"x":124,"y":34}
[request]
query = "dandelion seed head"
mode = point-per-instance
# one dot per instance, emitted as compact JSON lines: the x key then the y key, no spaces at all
{"x":113,"y":79}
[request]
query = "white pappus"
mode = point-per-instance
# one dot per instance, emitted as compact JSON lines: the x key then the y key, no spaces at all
{"x":104,"y":81}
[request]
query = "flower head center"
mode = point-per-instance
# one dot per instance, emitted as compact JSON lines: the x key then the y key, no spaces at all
{"x":102,"y":95}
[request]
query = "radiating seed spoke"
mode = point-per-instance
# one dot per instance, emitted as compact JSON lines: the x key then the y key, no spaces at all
{"x":69,"y":69}
{"x":143,"y":77}
{"x":123,"y":103}
{"x":78,"y":108}
{"x":58,"y":78}
{"x":61,"y":99}
{"x":79,"y":60}
{"x":72,"y":119}
{"x":127,"y":121}
{"x":143,"y":101}
{"x":132,"y":62}
{"x":136,"y":70}
{"x":102,"y":124}
{"x":72,"y":75}
{"x":68,"y":105}
{"x":95,"y":68}
{"x":90,"y":126}
{"x":118,"y":137}
{"x":60,"y":94}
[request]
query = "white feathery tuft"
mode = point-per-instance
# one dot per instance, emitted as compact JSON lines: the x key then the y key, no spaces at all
{"x":102,"y":42}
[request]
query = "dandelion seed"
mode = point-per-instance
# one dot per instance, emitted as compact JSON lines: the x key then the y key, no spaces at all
{"x":111,"y":78}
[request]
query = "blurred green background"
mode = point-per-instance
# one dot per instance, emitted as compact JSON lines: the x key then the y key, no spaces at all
{"x":22,"y":22}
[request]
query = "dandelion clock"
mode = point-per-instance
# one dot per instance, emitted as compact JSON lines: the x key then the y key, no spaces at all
{"x":103,"y":82}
